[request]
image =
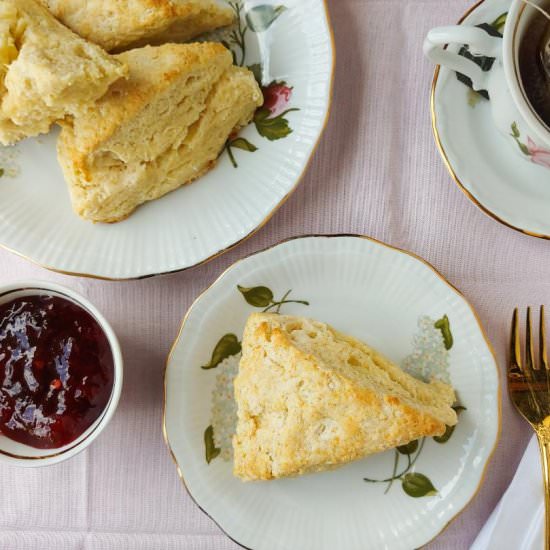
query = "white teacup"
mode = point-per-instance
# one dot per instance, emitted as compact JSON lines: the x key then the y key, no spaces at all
{"x":512,"y":112}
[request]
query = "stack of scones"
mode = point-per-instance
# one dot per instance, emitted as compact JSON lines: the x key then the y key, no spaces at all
{"x":136,"y":124}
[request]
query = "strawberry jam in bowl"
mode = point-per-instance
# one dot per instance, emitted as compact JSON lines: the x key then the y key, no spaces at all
{"x":60,"y":373}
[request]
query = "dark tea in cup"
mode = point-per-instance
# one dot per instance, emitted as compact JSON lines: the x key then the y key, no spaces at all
{"x":534,"y":62}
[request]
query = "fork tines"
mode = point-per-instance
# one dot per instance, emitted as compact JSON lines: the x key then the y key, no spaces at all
{"x":529,"y":380}
{"x":516,"y":362}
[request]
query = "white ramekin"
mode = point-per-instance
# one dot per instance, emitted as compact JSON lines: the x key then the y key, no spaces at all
{"x":23,"y":455}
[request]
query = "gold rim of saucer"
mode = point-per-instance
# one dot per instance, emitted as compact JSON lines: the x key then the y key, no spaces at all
{"x":258,"y":228}
{"x":447,"y":162}
{"x":376,"y":241}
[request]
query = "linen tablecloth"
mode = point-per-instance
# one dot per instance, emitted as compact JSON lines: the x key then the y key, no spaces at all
{"x":376,"y":172}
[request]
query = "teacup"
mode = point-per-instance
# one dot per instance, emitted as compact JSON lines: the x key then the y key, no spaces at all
{"x":512,"y":112}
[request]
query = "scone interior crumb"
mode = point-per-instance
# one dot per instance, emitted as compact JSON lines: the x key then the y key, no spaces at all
{"x":350,"y":357}
{"x":118,"y":25}
{"x":11,"y":31}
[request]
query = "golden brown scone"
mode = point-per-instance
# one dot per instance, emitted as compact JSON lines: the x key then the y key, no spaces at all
{"x":310,"y":399}
{"x":163,"y":127}
{"x":121,"y":24}
{"x":46,"y":71}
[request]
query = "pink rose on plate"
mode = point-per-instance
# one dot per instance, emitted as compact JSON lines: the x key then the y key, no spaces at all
{"x":277,"y":97}
{"x":538,"y":156}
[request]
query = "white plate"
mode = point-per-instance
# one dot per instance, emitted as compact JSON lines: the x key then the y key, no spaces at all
{"x":378,"y":294}
{"x":505,"y":186}
{"x":199,"y":221}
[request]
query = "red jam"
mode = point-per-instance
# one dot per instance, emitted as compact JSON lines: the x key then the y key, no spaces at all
{"x":56,"y":371}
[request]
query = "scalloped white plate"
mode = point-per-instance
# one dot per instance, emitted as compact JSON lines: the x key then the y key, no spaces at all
{"x":378,"y":294}
{"x":199,"y":221}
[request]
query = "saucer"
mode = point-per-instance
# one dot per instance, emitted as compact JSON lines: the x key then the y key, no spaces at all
{"x":512,"y":191}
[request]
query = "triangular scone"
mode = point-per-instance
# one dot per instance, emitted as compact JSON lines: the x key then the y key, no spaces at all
{"x":310,"y":399}
{"x":46,"y":71}
{"x":121,"y":24}
{"x":163,"y":127}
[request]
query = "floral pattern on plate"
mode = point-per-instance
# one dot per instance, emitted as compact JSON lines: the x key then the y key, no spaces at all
{"x":530,"y":149}
{"x":270,"y":119}
{"x":429,"y":360}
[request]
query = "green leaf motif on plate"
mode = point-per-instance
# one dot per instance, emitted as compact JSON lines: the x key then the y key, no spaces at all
{"x":210,"y":447}
{"x":523,"y":149}
{"x":473,"y":98}
{"x":409,"y":448}
{"x":444,"y":326}
{"x":272,"y":128}
{"x":412,"y":451}
{"x":516,"y":134}
{"x":260,"y":18}
{"x":258,"y":296}
{"x":236,"y":41}
{"x":227,"y":346}
{"x":238,"y":143}
{"x":418,"y":485}
{"x":449,"y":431}
{"x":499,"y":23}
{"x":261,"y":296}
{"x":244,"y":144}
{"x":256,"y":70}
{"x":2,"y":172}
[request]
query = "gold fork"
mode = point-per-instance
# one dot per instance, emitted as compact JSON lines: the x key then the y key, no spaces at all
{"x":529,"y":389}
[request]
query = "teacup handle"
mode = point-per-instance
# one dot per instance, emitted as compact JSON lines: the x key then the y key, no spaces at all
{"x":480,"y":42}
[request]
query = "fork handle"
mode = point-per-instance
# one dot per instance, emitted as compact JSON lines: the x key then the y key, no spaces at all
{"x":544,"y":445}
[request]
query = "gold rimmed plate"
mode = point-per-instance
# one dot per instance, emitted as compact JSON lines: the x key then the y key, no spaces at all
{"x":506,"y":187}
{"x":385,"y":296}
{"x":253,"y":177}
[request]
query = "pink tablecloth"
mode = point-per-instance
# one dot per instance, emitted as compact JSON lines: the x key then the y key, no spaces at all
{"x":376,"y":172}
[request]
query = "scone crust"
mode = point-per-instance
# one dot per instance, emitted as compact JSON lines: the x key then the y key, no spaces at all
{"x":276,"y":431}
{"x":151,"y":70}
{"x":46,"y":71}
{"x":120,"y":24}
{"x":163,"y":128}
